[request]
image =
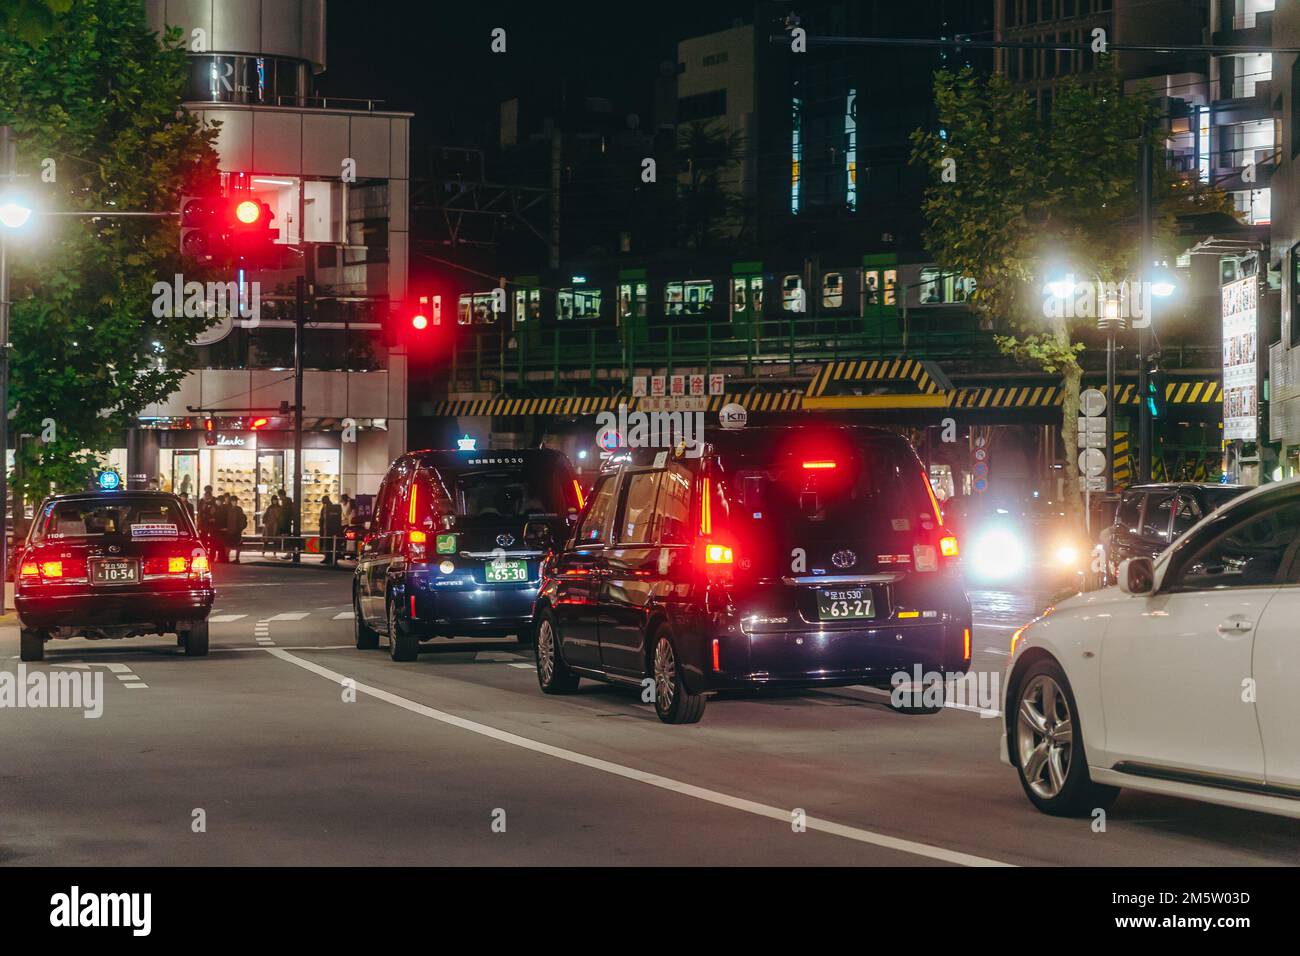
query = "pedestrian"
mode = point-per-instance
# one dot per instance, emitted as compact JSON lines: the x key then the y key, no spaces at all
{"x":349,"y":511}
{"x":189,"y":505}
{"x":331,"y":526}
{"x":271,"y":521}
{"x":287,"y":519}
{"x":207,"y":509}
{"x":220,"y":521}
{"x":236,"y":522}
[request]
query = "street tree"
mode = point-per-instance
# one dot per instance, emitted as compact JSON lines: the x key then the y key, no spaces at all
{"x":1016,"y":194}
{"x":710,"y":208}
{"x":95,"y":102}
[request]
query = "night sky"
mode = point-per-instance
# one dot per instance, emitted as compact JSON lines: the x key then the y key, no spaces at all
{"x":433,"y":57}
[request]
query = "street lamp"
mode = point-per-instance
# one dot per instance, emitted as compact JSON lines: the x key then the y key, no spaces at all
{"x":14,"y":212}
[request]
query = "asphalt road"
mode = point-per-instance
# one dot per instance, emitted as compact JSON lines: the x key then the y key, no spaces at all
{"x":459,"y":759}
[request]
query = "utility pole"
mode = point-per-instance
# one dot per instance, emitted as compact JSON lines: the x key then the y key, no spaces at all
{"x":8,"y":150}
{"x":299,"y":323}
{"x":1144,"y":333}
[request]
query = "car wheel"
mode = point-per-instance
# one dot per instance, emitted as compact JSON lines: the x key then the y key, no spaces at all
{"x":196,"y":640}
{"x":367,"y":637}
{"x":1047,"y":746}
{"x":553,"y":675}
{"x":31,"y":645}
{"x":402,"y":645}
{"x":673,"y":702}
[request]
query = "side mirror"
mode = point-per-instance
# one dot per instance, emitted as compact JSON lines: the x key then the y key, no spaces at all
{"x":1137,"y":576}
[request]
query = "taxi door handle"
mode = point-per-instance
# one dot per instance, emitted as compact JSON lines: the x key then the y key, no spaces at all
{"x":1234,"y":627}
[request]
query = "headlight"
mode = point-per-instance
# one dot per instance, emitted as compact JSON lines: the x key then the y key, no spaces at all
{"x":998,"y":554}
{"x":1067,"y":555}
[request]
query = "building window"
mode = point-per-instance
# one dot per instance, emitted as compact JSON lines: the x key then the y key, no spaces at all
{"x":700,"y":106}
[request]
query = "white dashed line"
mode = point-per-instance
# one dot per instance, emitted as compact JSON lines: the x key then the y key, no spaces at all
{"x":344,"y":616}
{"x":290,"y":616}
{"x":225,"y":618}
{"x":524,"y":666}
{"x":779,"y":814}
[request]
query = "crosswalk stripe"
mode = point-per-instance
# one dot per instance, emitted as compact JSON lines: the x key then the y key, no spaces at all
{"x":290,"y":616}
{"x":225,"y":618}
{"x":344,"y":616}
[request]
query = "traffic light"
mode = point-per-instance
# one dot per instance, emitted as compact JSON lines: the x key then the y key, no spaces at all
{"x":1155,"y":397}
{"x":203,"y":228}
{"x":209,"y":431}
{"x":248,"y":223}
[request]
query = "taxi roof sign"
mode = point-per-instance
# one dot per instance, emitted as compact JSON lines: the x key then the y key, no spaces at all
{"x":108,"y":481}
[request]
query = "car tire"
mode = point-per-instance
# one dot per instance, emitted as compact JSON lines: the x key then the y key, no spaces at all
{"x":403,"y":646}
{"x":673,"y":702}
{"x":1052,"y":763}
{"x":31,"y":645}
{"x":366,"y":636}
{"x":553,"y":675}
{"x":196,"y":640}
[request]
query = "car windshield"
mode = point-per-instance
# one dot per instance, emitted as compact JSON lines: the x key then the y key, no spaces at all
{"x":134,"y":517}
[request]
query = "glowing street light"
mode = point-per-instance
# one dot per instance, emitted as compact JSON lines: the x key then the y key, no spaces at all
{"x":14,"y":212}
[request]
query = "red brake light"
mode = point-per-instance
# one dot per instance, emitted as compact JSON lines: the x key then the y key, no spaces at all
{"x":52,"y":569}
{"x":948,"y":546}
{"x":706,"y":510}
{"x":965,"y":643}
{"x":410,"y":517}
{"x":577,"y":490}
{"x":819,"y":465}
{"x":199,"y":565}
{"x":30,"y":570}
{"x":176,"y":565}
{"x":418,"y":537}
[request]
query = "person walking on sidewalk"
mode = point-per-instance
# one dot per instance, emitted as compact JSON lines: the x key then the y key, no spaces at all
{"x":236,"y":522}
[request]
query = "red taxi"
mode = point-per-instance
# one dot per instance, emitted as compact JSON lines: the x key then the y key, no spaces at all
{"x":113,"y":564}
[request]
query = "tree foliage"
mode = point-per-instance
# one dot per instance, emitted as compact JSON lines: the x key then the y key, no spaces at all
{"x":96,"y":103}
{"x":1027,"y":194}
{"x":709,"y":206}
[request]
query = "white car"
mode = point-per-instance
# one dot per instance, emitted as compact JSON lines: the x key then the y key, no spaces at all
{"x":1183,"y":680}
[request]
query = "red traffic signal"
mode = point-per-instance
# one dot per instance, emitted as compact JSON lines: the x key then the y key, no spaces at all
{"x":248,"y":212}
{"x":420,"y":322}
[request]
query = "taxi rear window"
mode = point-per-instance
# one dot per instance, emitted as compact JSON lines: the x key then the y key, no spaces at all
{"x":136,"y":518}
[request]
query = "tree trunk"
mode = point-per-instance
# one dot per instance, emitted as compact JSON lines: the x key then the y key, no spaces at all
{"x":1070,"y":381}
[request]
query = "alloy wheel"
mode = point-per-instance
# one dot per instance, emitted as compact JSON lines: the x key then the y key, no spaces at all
{"x":545,"y":652}
{"x":1044,"y":736}
{"x":665,"y":674}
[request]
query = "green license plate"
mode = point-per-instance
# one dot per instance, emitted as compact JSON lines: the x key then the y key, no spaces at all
{"x":500,"y":572}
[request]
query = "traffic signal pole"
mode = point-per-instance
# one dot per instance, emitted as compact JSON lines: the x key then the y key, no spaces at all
{"x":8,"y":151}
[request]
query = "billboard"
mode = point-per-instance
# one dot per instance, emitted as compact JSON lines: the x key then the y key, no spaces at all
{"x":1240,"y":304}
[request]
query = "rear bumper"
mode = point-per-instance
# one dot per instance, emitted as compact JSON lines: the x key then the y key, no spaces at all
{"x":460,"y":608}
{"x":117,"y":609}
{"x":811,"y":658}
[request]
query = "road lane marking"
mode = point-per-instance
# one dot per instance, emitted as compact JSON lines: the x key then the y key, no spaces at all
{"x":650,"y":779}
{"x":524,"y":665}
{"x":262,"y":632}
{"x":121,"y":671}
{"x":495,"y":657}
{"x":290,"y":616}
{"x":344,"y":616}
{"x":226,"y":618}
{"x":951,"y":705}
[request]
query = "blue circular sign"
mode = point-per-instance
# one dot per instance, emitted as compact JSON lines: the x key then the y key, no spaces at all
{"x":109,"y":481}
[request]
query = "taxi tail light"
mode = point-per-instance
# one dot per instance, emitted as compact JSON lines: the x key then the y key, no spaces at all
{"x":948,"y":546}
{"x":52,"y":569}
{"x":965,"y":644}
{"x":199,"y":566}
{"x":417,"y":545}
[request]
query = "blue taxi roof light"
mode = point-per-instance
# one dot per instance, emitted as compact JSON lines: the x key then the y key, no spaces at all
{"x":109,"y":481}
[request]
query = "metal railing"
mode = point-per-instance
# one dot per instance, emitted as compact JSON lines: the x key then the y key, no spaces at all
{"x":497,"y":354}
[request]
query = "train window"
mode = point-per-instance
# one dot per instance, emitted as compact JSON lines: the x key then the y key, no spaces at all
{"x":577,"y":304}
{"x":938,"y":286}
{"x":528,"y":305}
{"x":739,"y":296}
{"x":632,"y":299}
{"x":475,"y":308}
{"x":792,"y":294}
{"x":756,"y":293}
{"x":832,"y":290}
{"x":689,"y":297}
{"x":891,"y":279}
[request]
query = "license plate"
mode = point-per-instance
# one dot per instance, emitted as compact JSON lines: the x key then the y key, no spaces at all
{"x":115,"y":572}
{"x":499,"y":572}
{"x":848,"y":604}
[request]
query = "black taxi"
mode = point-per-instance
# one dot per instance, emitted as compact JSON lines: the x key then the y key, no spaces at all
{"x":769,"y":557}
{"x":456,"y":543}
{"x":112,"y":564}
